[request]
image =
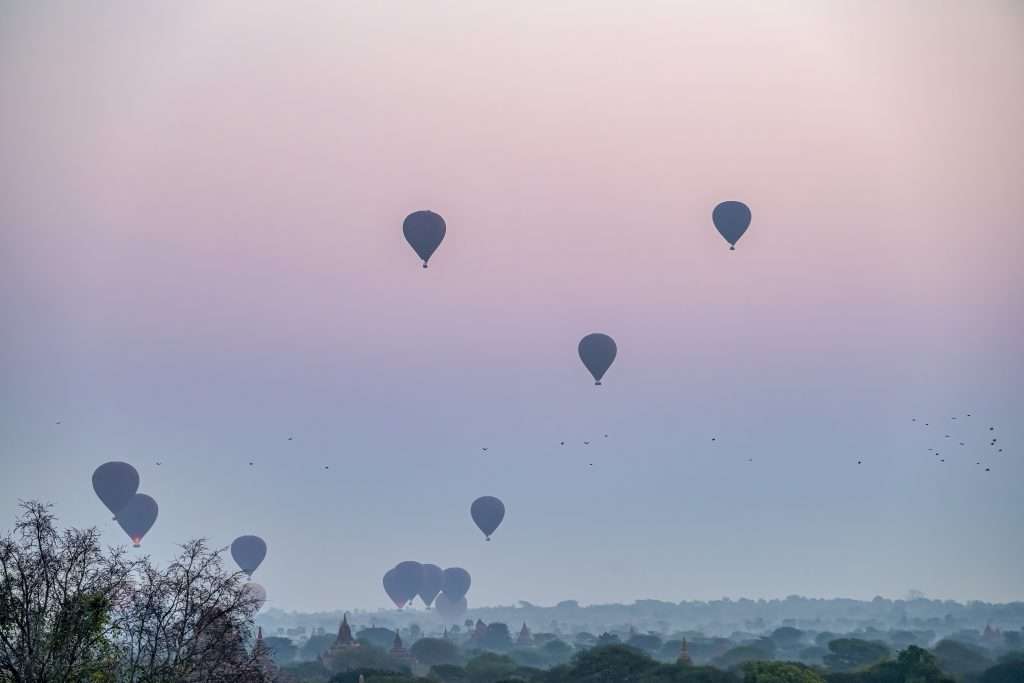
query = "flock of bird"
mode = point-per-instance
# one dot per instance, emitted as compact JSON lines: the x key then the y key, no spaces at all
{"x":993,"y":445}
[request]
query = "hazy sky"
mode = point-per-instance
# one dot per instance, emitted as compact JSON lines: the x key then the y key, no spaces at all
{"x":200,"y":215}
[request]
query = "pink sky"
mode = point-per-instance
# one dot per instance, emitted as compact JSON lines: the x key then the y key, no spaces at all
{"x":208,"y":197}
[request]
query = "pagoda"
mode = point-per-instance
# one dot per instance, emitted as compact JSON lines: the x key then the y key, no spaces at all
{"x":480,"y":631}
{"x":401,"y":655}
{"x":684,"y":654}
{"x":261,"y":654}
{"x":524,"y":639}
{"x":342,"y":643}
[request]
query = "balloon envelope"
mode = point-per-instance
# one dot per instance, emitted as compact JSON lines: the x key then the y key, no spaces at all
{"x":392,"y":589}
{"x":456,"y":583}
{"x":732,"y":220}
{"x":424,"y":231}
{"x":487,"y":512}
{"x":409,"y":576}
{"x":115,"y":483}
{"x":431,"y":583}
{"x":256,"y":595}
{"x":248,"y":552}
{"x":597,"y":351}
{"x":449,"y":609}
{"x":137,"y":517}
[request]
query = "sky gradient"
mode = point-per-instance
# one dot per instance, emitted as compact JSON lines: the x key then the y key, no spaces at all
{"x":200,"y":234}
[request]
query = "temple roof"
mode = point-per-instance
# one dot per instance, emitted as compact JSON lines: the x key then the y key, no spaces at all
{"x":344,"y":632}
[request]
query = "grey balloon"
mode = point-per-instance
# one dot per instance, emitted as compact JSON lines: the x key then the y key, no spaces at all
{"x":732,"y":220}
{"x":450,"y":610}
{"x":409,"y":575}
{"x":487,"y":512}
{"x":424,"y":231}
{"x":431,"y":583}
{"x":248,"y":552}
{"x":115,"y":483}
{"x":456,"y":583}
{"x":256,"y":595}
{"x":597,"y":351}
{"x":137,"y":517}
{"x":391,"y":587}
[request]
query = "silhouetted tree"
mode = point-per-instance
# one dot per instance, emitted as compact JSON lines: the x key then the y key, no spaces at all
{"x":376,"y":636}
{"x":496,"y":637}
{"x":738,"y":656}
{"x":1011,"y":671}
{"x":189,"y":621}
{"x":433,"y":651}
{"x":848,"y":654}
{"x":489,"y":668}
{"x":779,"y":672}
{"x":316,"y":646}
{"x":58,"y":592}
{"x":282,"y":650}
{"x":959,"y":658}
{"x":70,"y":611}
{"x":449,"y":673}
{"x":557,"y":651}
{"x":787,"y":637}
{"x":646,"y":642}
{"x":607,"y":663}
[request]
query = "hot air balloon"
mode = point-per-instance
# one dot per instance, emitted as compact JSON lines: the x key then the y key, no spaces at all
{"x":597,"y":351}
{"x":732,"y":220}
{"x":256,"y":595}
{"x":409,"y":575}
{"x":391,"y":587}
{"x":115,"y":483}
{"x":487,"y":513}
{"x":248,"y":552}
{"x":450,"y":610}
{"x":431,"y":583}
{"x":456,"y":583}
{"x":424,"y":231}
{"x":137,"y":517}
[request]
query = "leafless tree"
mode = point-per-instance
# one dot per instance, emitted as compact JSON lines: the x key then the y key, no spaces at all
{"x":56,"y":594}
{"x":72,"y":611}
{"x":188,"y":622}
